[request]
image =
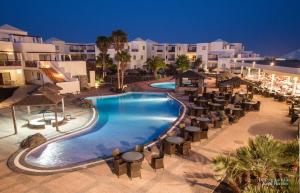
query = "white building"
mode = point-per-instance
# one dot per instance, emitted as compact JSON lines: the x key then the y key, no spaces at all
{"x":27,"y":59}
{"x":217,"y":54}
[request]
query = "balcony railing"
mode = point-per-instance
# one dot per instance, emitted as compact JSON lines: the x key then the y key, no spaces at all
{"x":10,"y":63}
{"x":31,"y":64}
{"x":91,"y":50}
{"x":76,"y":50}
{"x":192,"y":49}
{"x":134,"y":50}
{"x":171,"y":50}
{"x":159,"y":50}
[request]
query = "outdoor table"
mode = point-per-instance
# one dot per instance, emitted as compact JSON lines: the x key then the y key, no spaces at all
{"x":214,"y":106}
{"x":203,"y":121}
{"x":198,"y":110}
{"x":132,"y":156}
{"x":175,"y":140}
{"x":192,"y":129}
{"x":237,"y":111}
{"x":202,"y":102}
{"x":249,"y":105}
{"x":220,"y":101}
{"x":195,"y":132}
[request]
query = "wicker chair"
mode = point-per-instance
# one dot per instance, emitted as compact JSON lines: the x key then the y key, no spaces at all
{"x":139,"y":148}
{"x":116,"y":153}
{"x":218,"y":123}
{"x":185,"y":148}
{"x":157,"y":162}
{"x":120,"y":168}
{"x":169,"y":148}
{"x":134,"y":170}
{"x":256,"y":107}
{"x":196,"y":136}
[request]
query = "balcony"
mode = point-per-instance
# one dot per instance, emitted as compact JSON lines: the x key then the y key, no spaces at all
{"x":10,"y":63}
{"x":91,"y":50}
{"x":159,"y":50}
{"x":171,"y":49}
{"x":31,"y":64}
{"x":134,"y":50}
{"x":77,"y":50}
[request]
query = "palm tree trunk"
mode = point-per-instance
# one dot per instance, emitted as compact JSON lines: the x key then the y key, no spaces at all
{"x":155,"y":74}
{"x":118,"y":74}
{"x":122,"y":78}
{"x":234,"y":186}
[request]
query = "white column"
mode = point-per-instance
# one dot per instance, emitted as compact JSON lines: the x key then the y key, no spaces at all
{"x":258,"y":74}
{"x":63,"y":105}
{"x":242,"y":69}
{"x":272,"y":81}
{"x":295,"y":85}
{"x":249,"y":72}
{"x":28,"y":110}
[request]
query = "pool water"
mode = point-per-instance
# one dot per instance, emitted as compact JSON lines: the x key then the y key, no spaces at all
{"x":123,"y":121}
{"x":164,"y":85}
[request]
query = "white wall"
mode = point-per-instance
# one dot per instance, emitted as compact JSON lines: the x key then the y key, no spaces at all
{"x":75,"y":68}
{"x":69,"y":87}
{"x":34,"y":47}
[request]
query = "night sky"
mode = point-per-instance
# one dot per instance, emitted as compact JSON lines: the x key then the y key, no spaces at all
{"x":269,"y":27}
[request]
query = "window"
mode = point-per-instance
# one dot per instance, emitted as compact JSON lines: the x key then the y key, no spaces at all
{"x":203,"y":48}
{"x":152,"y":47}
{"x":57,"y":47}
{"x":143,"y":47}
{"x":134,"y":57}
{"x":142,"y":57}
{"x":179,"y":48}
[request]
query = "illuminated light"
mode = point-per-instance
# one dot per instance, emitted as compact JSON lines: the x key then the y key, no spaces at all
{"x":19,"y":71}
{"x":10,"y":53}
{"x":272,"y":64}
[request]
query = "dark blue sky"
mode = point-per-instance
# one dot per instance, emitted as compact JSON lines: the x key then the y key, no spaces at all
{"x":270,"y":27}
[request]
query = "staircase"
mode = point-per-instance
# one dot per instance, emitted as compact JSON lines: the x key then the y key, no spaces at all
{"x":53,"y":75}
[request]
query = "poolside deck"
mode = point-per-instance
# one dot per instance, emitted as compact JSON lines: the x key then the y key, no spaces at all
{"x":193,"y":174}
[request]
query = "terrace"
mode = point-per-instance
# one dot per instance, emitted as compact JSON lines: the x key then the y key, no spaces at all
{"x":191,"y":173}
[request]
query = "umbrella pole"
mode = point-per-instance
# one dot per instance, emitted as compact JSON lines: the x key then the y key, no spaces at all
{"x":56,"y":124}
{"x":14,"y":119}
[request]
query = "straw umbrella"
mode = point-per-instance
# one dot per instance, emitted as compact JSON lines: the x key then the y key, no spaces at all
{"x":41,"y":99}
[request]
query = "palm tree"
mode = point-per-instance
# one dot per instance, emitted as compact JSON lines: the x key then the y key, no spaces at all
{"x":197,"y":63}
{"x":123,"y":58}
{"x":104,"y":61}
{"x":155,"y":64}
{"x":119,"y":39}
{"x":182,"y":62}
{"x":263,"y":158}
{"x":103,"y":43}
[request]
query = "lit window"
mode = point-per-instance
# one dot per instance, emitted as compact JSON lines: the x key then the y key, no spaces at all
{"x":134,"y":57}
{"x":143,"y":47}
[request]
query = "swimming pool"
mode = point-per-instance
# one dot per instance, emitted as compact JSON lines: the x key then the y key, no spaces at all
{"x":123,"y":121}
{"x":164,"y":85}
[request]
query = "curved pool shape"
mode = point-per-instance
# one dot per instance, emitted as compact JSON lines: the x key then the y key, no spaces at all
{"x":164,"y":85}
{"x":123,"y":121}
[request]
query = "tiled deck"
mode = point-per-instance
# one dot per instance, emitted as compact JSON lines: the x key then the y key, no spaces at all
{"x":193,"y":174}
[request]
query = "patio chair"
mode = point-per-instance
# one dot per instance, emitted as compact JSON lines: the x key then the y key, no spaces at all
{"x":256,"y":107}
{"x":185,"y":148}
{"x":196,"y":136}
{"x":134,"y":170}
{"x":218,"y":123}
{"x":169,"y":148}
{"x":139,"y":148}
{"x":232,"y":119}
{"x":116,"y":153}
{"x":120,"y":168}
{"x":157,"y":162}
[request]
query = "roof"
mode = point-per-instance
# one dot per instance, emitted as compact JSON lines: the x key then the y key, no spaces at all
{"x":191,"y":74}
{"x":53,"y":39}
{"x":293,"y":55}
{"x":150,"y":41}
{"x":220,"y":40}
{"x":285,"y":63}
{"x":138,"y":39}
{"x":9,"y":27}
{"x":43,"y":99}
{"x":235,"y":81}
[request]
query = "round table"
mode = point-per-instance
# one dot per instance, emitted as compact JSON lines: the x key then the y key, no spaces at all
{"x":237,"y":111}
{"x":132,"y":156}
{"x":193,"y":129}
{"x":175,"y":140}
{"x":199,"y":110}
{"x":249,"y":105}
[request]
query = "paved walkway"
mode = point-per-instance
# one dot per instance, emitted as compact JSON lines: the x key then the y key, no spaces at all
{"x":194,"y":174}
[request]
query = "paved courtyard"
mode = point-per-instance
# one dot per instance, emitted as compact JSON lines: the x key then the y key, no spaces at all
{"x":193,"y":174}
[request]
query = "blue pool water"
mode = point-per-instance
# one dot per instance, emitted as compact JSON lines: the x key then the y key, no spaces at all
{"x":124,"y":121}
{"x":164,"y":85}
